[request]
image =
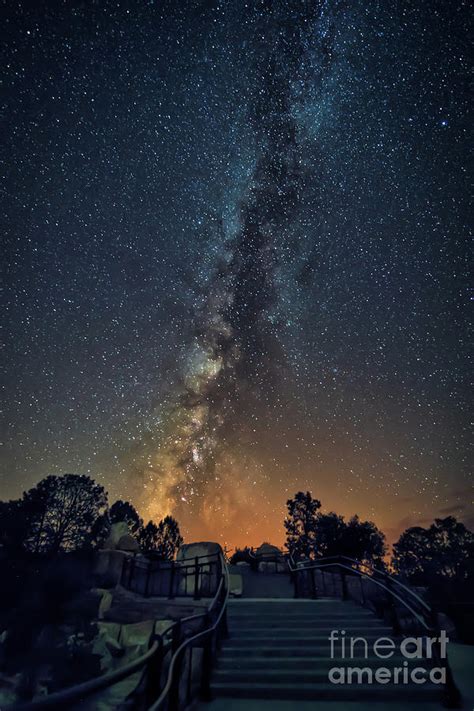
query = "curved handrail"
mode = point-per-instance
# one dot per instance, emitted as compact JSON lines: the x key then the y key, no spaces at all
{"x":87,"y":688}
{"x":198,"y":635}
{"x":316,"y":564}
{"x":384,"y":587}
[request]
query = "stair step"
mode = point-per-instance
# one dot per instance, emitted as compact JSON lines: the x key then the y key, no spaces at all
{"x":296,"y":649}
{"x":265,"y":638}
{"x":308,"y":630}
{"x":293,"y":603}
{"x":307,"y":617}
{"x":297,"y":676}
{"x":244,"y":663}
{"x":311,"y":614}
{"x":296,"y":609}
{"x":327,"y":691}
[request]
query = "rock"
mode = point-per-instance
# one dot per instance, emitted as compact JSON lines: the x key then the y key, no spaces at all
{"x":117,"y":530}
{"x":108,"y":566}
{"x":88,"y":605}
{"x":128,"y":543}
{"x":206,"y":552}
{"x":204,"y":548}
{"x":105,"y":601}
{"x":108,"y":649}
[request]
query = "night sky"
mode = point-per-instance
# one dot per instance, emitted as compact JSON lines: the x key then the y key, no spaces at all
{"x":236,"y":256}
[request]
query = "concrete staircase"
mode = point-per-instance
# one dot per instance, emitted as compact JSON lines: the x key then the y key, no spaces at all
{"x":279,"y":649}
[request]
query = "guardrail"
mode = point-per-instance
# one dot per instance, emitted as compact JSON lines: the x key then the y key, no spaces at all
{"x":176,"y":666}
{"x":388,"y":597}
{"x":183,"y":675}
{"x":196,"y":577}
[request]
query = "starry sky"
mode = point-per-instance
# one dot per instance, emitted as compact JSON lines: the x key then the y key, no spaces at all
{"x":236,"y":256}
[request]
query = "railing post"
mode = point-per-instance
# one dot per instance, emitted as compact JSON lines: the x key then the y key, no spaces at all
{"x":207,"y":665}
{"x":123,"y":574}
{"x":147,"y":581}
{"x":174,"y":704}
{"x":131,"y":571}
{"x":393,"y":610}
{"x":343,"y":586}
{"x":196,"y":578}
{"x":190,"y":676}
{"x":153,"y":678}
{"x":225,"y":624}
{"x":313,"y":584}
{"x":323,"y":580}
{"x":172,"y":572}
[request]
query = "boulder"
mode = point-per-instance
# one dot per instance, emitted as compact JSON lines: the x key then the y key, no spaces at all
{"x":202,"y":549}
{"x":128,"y":543}
{"x":108,"y":566}
{"x":206,"y":552}
{"x":117,"y":531}
{"x":105,"y":601}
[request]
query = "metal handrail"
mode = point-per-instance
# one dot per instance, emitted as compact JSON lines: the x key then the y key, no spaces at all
{"x":377,"y":582}
{"x":166,"y":574}
{"x":176,"y":561}
{"x":87,"y":688}
{"x":452,"y":695}
{"x":77,"y":692}
{"x":203,"y":633}
{"x":316,"y":564}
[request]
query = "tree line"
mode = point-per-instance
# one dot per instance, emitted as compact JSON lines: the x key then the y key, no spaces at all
{"x":439,"y":558}
{"x":71,"y":513}
{"x":445,"y":549}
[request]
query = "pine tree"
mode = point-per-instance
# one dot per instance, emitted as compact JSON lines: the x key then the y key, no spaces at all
{"x":300,"y":525}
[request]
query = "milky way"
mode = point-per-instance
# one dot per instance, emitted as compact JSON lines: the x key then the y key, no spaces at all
{"x":236,"y":356}
{"x":236,"y":245}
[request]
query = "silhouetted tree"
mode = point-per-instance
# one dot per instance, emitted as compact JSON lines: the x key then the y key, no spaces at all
{"x":163,"y":539}
{"x":61,"y":512}
{"x":14,"y":524}
{"x":357,"y":539}
{"x":329,"y":530}
{"x":100,"y":530}
{"x":148,"y":537}
{"x":363,"y":541}
{"x":300,"y":525}
{"x":124,"y":511}
{"x":445,"y":550}
{"x":170,"y":538}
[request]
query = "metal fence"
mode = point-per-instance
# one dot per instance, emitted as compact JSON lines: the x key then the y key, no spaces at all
{"x":196,"y":577}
